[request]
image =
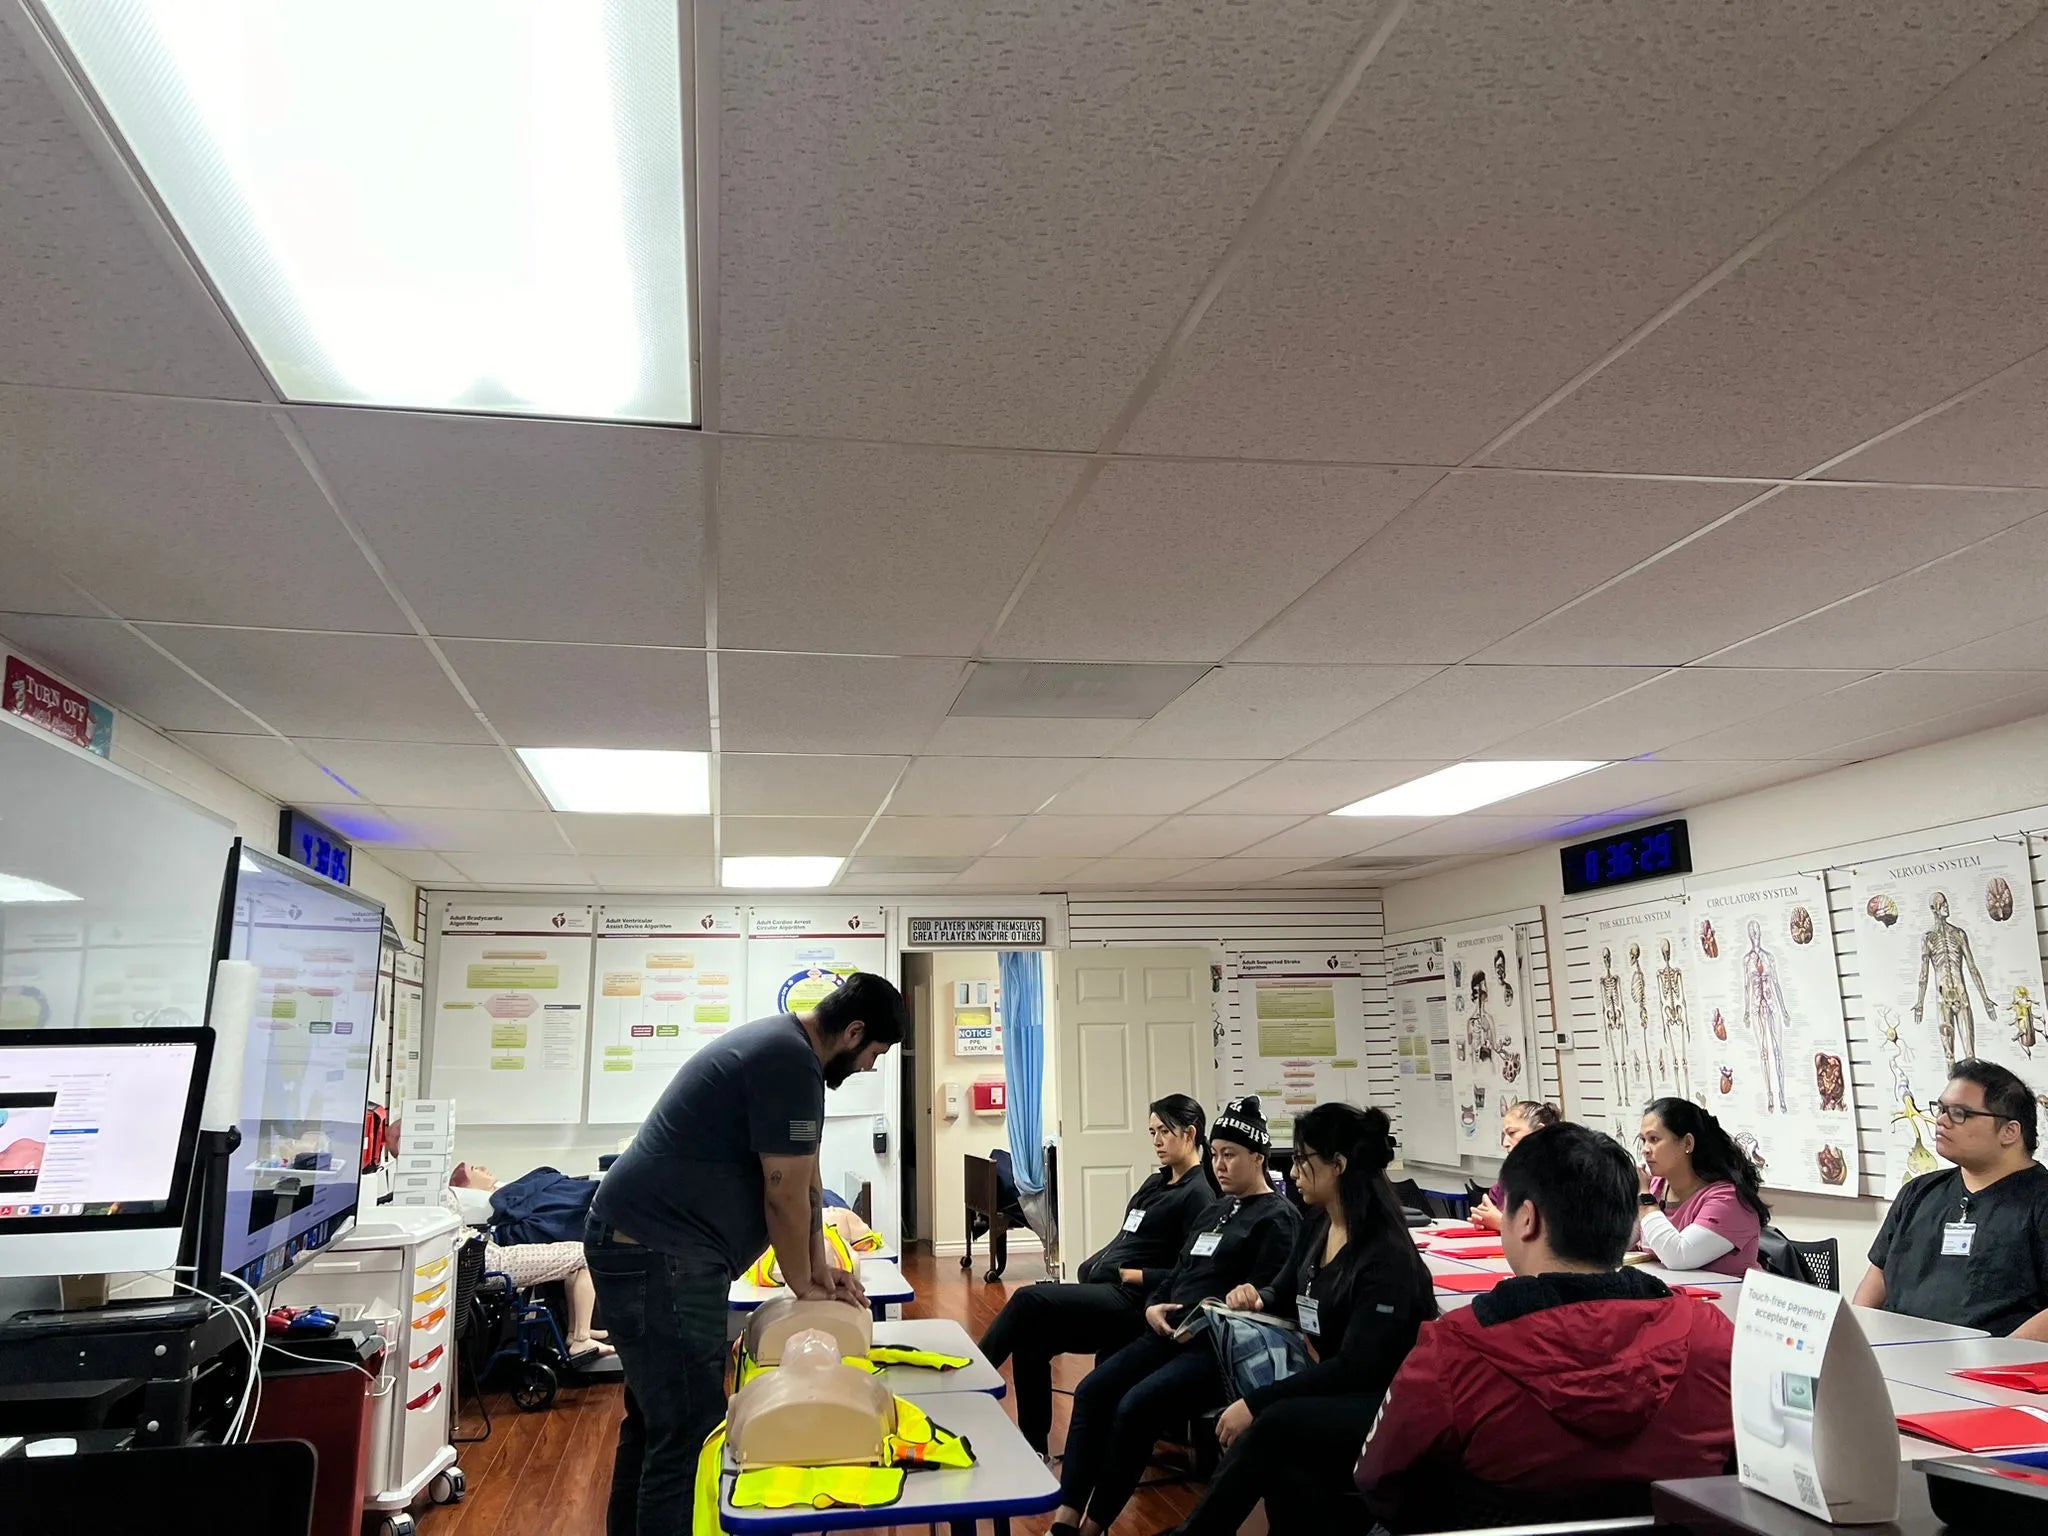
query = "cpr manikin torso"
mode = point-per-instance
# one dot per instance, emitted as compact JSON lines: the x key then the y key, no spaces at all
{"x":813,"y":1411}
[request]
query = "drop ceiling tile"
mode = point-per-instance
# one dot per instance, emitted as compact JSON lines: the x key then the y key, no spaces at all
{"x":1475,"y":834}
{"x":1247,"y":540}
{"x":1965,"y":597}
{"x":1187,"y":837}
{"x":906,"y":551}
{"x":1019,"y":874}
{"x":526,"y":530}
{"x":1797,"y":551}
{"x":1481,"y":556}
{"x":31,"y":583}
{"x":789,"y":835}
{"x":936,"y":836}
{"x":524,"y":869}
{"x":1313,"y":788}
{"x":1434,"y":270}
{"x":1131,"y":874}
{"x":205,"y":515}
{"x":990,"y":736}
{"x":778,"y":784}
{"x":426,"y":869}
{"x":635,"y":873}
{"x":1463,"y":710}
{"x":665,"y":837}
{"x":1888,"y":702}
{"x":403,"y":773}
{"x":1620,"y":785}
{"x":1891,"y":291}
{"x":268,"y":765}
{"x":2025,"y":705}
{"x":1675,"y":707}
{"x":1046,"y":836}
{"x":854,"y":704}
{"x":370,"y":687}
{"x":541,"y":695}
{"x":1335,"y":837}
{"x":893,"y":885}
{"x":1147,"y":786}
{"x":1024,"y":313}
{"x":1235,"y":874}
{"x":982,"y":786}
{"x":1992,"y":438}
{"x":458,"y":832}
{"x":1249,"y":711}
{"x":93,"y":298}
{"x":2022,"y":648}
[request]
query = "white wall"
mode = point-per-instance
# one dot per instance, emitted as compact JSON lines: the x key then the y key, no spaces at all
{"x":1993,"y":773}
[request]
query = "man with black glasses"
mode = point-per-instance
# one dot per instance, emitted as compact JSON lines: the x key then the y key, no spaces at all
{"x":1969,"y":1245}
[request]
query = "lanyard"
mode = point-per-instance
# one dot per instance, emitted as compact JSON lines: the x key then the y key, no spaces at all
{"x":1224,"y":1220}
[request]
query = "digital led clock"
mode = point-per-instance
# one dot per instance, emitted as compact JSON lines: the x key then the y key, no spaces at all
{"x":1647,"y":853}
{"x":321,"y":849}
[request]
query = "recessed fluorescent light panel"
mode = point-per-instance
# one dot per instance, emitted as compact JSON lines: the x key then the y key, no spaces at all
{"x":472,"y":205}
{"x":1464,"y":787}
{"x":784,"y":874}
{"x":19,"y":888}
{"x":621,"y":783}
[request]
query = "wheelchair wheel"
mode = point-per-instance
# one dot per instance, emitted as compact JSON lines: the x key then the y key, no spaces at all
{"x":536,"y":1388}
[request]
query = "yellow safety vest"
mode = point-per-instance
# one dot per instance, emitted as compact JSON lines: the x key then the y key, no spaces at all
{"x":745,"y":1367}
{"x":763,"y":1271}
{"x":917,"y":1442}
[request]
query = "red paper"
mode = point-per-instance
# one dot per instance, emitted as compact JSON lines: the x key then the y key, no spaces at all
{"x":1697,"y":1292}
{"x":1474,"y":1251}
{"x":1474,"y":1284}
{"x":1983,"y":1431}
{"x":1459,"y":1232}
{"x":2014,"y":1378}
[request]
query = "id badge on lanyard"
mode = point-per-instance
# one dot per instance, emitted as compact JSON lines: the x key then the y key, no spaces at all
{"x":1957,"y":1236}
{"x":1207,"y":1244}
{"x":1134,"y":1221}
{"x":1310,"y":1313}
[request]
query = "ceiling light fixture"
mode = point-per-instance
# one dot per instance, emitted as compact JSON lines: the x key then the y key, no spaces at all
{"x":473,"y":205}
{"x":604,"y":781}
{"x":762,"y":872}
{"x":20,"y":889}
{"x":1464,"y":787}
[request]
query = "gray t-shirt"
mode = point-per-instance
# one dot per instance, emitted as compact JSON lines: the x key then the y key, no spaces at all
{"x":691,"y":1183}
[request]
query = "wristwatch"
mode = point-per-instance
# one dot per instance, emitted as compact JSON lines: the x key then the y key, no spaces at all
{"x":1646,"y":1200}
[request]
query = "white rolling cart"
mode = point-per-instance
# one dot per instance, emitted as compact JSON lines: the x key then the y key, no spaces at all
{"x":397,"y":1266}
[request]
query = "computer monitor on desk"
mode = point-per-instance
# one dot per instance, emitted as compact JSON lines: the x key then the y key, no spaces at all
{"x":97,"y":1130}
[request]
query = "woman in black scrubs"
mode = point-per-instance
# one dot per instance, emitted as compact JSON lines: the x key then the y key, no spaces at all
{"x":1359,"y":1290}
{"x":1143,"y":1389}
{"x":1107,"y":1309}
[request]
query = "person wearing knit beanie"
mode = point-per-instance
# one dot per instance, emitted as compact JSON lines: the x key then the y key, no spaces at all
{"x":1244,"y":1122}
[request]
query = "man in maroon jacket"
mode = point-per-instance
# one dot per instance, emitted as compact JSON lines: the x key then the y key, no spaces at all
{"x":1567,"y":1390}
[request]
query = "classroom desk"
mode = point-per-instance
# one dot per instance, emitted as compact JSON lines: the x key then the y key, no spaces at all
{"x":1007,"y":1479}
{"x":1721,"y":1506}
{"x":1932,"y":1366}
{"x":1885,"y":1329}
{"x":942,"y":1336}
{"x":884,"y":1281}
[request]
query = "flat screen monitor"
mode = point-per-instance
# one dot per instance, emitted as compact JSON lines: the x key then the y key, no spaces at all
{"x":292,"y":1183}
{"x":97,"y":1131}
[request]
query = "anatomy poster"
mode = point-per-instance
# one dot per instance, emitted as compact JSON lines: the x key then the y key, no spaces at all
{"x":669,"y":981}
{"x":1951,"y":967}
{"x":408,"y":1009}
{"x":1770,"y":1047}
{"x":1493,"y":1061}
{"x":1422,"y":1048}
{"x":1304,"y":1015}
{"x":512,"y":991}
{"x":1643,"y":985}
{"x":796,"y":955}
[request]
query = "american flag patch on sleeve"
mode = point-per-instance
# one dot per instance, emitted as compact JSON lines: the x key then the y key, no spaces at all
{"x":803,"y":1130}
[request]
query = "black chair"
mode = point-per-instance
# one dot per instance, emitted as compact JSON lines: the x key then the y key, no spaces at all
{"x":469,"y":1276}
{"x":1410,"y":1194}
{"x":1446,"y":1207}
{"x":1474,"y":1193}
{"x":1817,"y":1264}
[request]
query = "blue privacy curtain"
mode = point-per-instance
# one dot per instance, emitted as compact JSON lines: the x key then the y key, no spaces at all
{"x":1022,"y":974}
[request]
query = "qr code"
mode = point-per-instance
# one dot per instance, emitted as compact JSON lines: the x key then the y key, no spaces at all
{"x":1808,"y":1494}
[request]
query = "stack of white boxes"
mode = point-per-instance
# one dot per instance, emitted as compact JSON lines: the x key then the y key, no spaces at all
{"x":426,"y":1151}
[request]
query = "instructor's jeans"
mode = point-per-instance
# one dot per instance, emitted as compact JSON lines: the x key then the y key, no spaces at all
{"x":666,"y":1318}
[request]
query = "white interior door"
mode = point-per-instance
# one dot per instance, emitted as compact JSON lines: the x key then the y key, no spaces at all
{"x":1134,"y":1025}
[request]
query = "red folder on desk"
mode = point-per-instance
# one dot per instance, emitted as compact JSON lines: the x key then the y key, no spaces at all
{"x":2014,"y":1378}
{"x":1469,"y":1250}
{"x":1475,"y":1284}
{"x":1434,"y":1233}
{"x":1983,"y":1431}
{"x":1698,"y":1292}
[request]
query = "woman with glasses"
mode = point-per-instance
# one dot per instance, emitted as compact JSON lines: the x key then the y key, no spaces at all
{"x":1517,"y":1121}
{"x":1703,"y":1207}
{"x":1360,"y":1292}
{"x":1107,"y":1309}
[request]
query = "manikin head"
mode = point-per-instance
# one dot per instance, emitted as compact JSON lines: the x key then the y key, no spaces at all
{"x":473,"y":1176}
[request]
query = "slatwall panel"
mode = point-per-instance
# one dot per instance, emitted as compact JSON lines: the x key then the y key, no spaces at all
{"x":1587,"y":1092}
{"x":1543,"y":1022}
{"x":1241,"y":925}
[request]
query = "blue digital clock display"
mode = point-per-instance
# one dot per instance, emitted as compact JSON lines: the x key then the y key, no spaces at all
{"x":321,"y":849}
{"x":1646,"y":853}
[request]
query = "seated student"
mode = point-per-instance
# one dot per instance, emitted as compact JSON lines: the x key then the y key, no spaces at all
{"x":1107,"y":1309}
{"x":1969,"y":1245}
{"x":1156,"y":1381}
{"x":1518,"y":1121}
{"x":1567,"y":1390}
{"x":1359,"y":1290}
{"x":1717,"y":1211}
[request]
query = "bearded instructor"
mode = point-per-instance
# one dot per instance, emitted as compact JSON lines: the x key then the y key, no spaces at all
{"x":726,"y":1164}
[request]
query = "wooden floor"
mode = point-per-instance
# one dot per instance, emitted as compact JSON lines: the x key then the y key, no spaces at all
{"x":547,"y":1474}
